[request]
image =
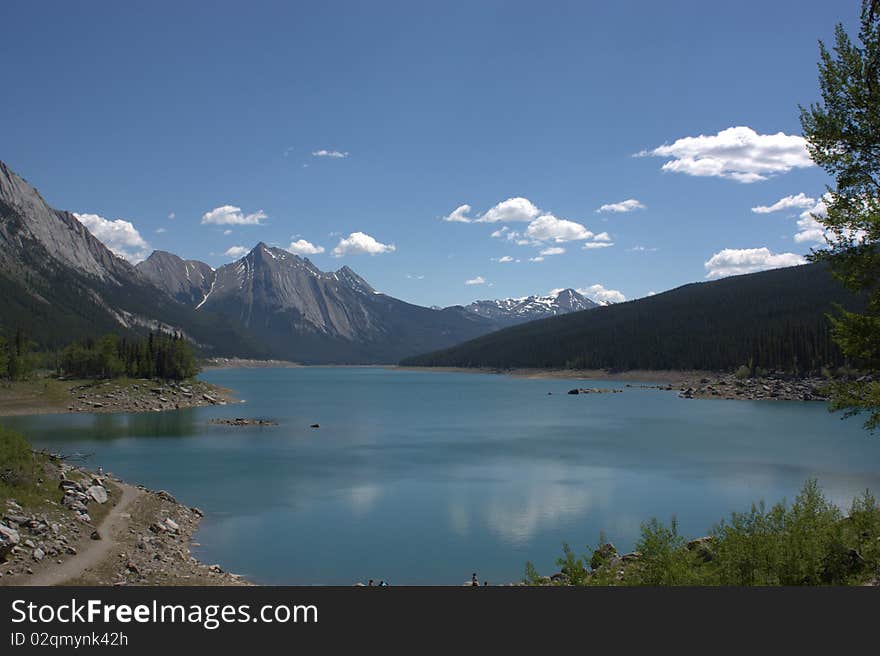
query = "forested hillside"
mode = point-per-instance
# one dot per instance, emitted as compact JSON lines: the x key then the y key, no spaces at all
{"x":773,"y":319}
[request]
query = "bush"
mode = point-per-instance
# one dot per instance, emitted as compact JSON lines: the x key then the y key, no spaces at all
{"x":808,"y":543}
{"x":18,"y":467}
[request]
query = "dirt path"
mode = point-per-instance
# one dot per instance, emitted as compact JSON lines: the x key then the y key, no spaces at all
{"x":95,"y":551}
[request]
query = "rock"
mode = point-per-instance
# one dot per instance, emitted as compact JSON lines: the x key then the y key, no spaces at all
{"x":172,"y":525}
{"x":702,"y":547}
{"x":603,"y":555}
{"x":315,"y":426}
{"x":98,"y":493}
{"x":38,"y":554}
{"x":95,"y":535}
{"x":574,"y":391}
{"x":162,"y":494}
{"x":197,"y":512}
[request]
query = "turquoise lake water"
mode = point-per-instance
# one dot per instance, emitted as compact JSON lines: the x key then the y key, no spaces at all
{"x":424,"y":477}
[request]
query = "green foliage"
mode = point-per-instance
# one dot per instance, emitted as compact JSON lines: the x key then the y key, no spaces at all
{"x":807,"y":543}
{"x":18,"y":465}
{"x":843,"y":137}
{"x":573,"y":566}
{"x":773,"y":320}
{"x":665,"y":559}
{"x":160,"y":356}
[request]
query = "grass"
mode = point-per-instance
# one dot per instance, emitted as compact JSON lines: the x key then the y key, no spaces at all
{"x":809,"y":542}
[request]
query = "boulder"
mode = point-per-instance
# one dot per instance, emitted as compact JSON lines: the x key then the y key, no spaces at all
{"x":98,"y":493}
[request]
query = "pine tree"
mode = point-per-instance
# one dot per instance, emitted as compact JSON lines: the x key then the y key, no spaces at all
{"x":843,"y":135}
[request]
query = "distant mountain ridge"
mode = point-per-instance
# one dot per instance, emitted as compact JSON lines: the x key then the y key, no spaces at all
{"x":510,"y":311}
{"x":772,"y":319}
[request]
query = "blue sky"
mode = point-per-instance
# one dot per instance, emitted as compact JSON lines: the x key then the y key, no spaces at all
{"x":354,"y":127}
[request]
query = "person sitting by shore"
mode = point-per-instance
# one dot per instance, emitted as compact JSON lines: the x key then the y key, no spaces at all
{"x":474,"y":580}
{"x":370,"y":584}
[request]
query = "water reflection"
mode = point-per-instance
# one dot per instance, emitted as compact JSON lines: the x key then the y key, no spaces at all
{"x":425,"y":477}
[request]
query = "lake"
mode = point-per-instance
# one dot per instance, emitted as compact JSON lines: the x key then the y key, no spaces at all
{"x":424,"y":477}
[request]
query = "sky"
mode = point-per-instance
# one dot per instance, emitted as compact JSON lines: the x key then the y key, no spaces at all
{"x":446,"y":151}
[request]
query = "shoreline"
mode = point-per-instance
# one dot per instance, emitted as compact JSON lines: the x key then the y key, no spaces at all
{"x":694,"y":384}
{"x":103,"y":532}
{"x":121,"y":395}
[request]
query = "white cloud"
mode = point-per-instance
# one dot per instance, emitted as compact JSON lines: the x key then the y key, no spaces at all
{"x":735,"y":261}
{"x":602,"y":236}
{"x":590,"y":245}
{"x":800,"y":201}
{"x":410,"y":276}
{"x":642,"y":249}
{"x":237,"y":251}
{"x":737,"y":153}
{"x":515,"y":209}
{"x":809,"y":229}
{"x":479,"y":280}
{"x":510,"y":210}
{"x":172,"y":216}
{"x":628,"y":205}
{"x":303,"y":247}
{"x":333,"y":154}
{"x":227,"y":232}
{"x":548,"y":228}
{"x":599,"y":294}
{"x":159,"y":231}
{"x":539,"y":258}
{"x":504,"y":259}
{"x":554,"y":250}
{"x":459,"y":215}
{"x":120,"y":236}
{"x":360,"y":242}
{"x":231,"y":215}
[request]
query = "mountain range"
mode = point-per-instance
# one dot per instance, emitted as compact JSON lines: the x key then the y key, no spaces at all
{"x":60,"y":283}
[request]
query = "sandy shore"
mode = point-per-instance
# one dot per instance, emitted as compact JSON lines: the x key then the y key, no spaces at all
{"x":244,"y":363}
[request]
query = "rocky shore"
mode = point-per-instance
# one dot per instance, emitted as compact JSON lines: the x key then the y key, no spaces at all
{"x":93,"y":529}
{"x":243,"y":421}
{"x":145,"y":396}
{"x":778,"y":388}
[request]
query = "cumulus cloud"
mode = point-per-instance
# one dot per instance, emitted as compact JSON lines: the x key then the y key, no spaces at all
{"x":303,"y":247}
{"x":504,"y":259}
{"x":799,"y":201}
{"x":628,"y":205}
{"x":508,"y":211}
{"x":459,"y":215}
{"x":735,"y":261}
{"x":590,"y":245}
{"x":809,"y":228}
{"x":479,"y":280}
{"x":549,"y":228}
{"x":120,"y":236}
{"x":600,"y":294}
{"x":236,"y":252}
{"x":231,"y":215}
{"x":332,"y":154}
{"x":553,"y":250}
{"x":359,"y":242}
{"x":737,"y":153}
